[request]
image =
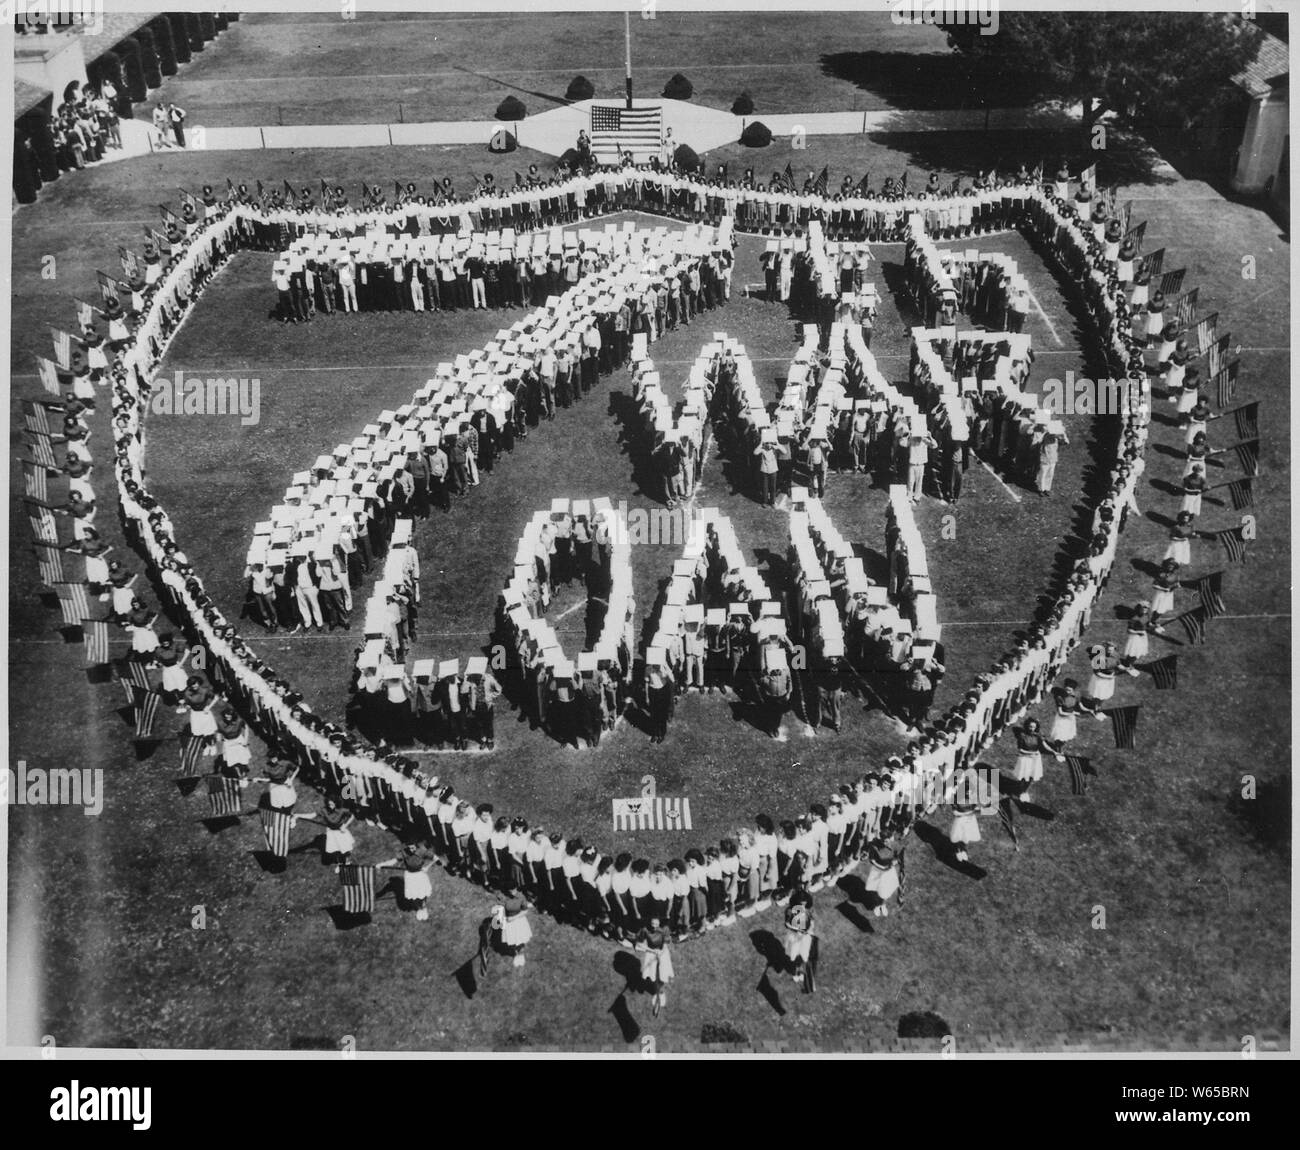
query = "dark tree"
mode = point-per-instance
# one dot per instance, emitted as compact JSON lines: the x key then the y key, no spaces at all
{"x":580,"y":88}
{"x":756,"y":135}
{"x":678,"y":88}
{"x":744,"y":105}
{"x":162,"y":40}
{"x":511,"y":108}
{"x":685,"y":158}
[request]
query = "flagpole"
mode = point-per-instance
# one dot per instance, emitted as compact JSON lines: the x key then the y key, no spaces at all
{"x":627,"y":59}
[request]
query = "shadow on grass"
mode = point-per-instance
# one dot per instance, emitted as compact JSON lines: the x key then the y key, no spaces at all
{"x":928,"y":80}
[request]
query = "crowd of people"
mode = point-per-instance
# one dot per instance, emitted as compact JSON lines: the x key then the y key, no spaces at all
{"x":85,"y":126}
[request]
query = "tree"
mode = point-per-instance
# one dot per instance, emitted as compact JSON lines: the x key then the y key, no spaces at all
{"x":756,"y":135}
{"x":678,"y":88}
{"x":685,"y":158}
{"x":580,"y":88}
{"x":511,"y":108}
{"x":1121,"y":62}
{"x":744,"y":105}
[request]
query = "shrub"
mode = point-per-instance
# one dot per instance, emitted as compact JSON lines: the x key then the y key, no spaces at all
{"x":572,"y":157}
{"x":42,"y":137}
{"x":109,"y":67}
{"x":162,"y":42}
{"x":27,"y":180}
{"x":502,"y":142}
{"x":678,"y":88}
{"x":193,"y":30}
{"x":180,"y":37}
{"x":133,"y":69}
{"x":922,"y":1024}
{"x":148,"y":56}
{"x":580,"y":88}
{"x":685,"y":158}
{"x":511,"y":108}
{"x":756,"y":135}
{"x":207,"y":26}
{"x":744,"y":105}
{"x":222,"y":20}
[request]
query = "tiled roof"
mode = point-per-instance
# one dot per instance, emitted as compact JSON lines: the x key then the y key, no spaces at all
{"x":27,"y":96}
{"x":116,"y":26}
{"x":1271,"y":61}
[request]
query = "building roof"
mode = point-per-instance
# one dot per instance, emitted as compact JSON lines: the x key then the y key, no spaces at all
{"x":27,"y":96}
{"x":1271,"y":62}
{"x":117,"y":26}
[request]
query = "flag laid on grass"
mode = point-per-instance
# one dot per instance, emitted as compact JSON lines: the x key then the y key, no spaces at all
{"x":358,"y":883}
{"x":225,"y":797}
{"x":1165,"y":673}
{"x":1123,"y":721}
{"x":652,"y":814}
{"x":1210,"y":589}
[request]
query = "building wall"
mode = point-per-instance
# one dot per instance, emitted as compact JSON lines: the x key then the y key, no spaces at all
{"x":1267,"y":127}
{"x":51,"y":61}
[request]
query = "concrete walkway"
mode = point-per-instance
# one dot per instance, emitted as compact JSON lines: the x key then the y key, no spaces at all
{"x":555,"y":131}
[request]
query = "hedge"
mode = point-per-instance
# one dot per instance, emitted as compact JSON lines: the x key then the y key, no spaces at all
{"x":222,"y":21}
{"x":41,"y":134}
{"x":207,"y":26}
{"x":744,"y":105}
{"x":511,"y":108}
{"x":756,"y":135}
{"x":580,"y":88}
{"x":162,"y":42}
{"x":678,"y":88}
{"x":685,"y":158}
{"x":193,"y":30}
{"x":148,"y":56}
{"x":133,"y":69}
{"x":502,"y":142}
{"x":180,"y":37}
{"x":27,"y":180}
{"x":109,"y":67}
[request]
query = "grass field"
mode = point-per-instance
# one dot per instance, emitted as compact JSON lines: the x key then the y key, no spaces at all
{"x":1195,"y":883}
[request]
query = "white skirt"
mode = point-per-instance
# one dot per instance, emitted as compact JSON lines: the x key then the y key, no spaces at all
{"x":516,"y":931}
{"x":236,"y":752}
{"x":1162,"y":602}
{"x":1141,"y":293}
{"x":96,"y":358}
{"x":118,"y":332}
{"x":1155,"y":323}
{"x":1192,"y":502}
{"x":657,"y":966}
{"x":340,"y":842}
{"x":965,"y":829}
{"x":82,"y":388}
{"x":415,"y":885}
{"x":1194,"y":428}
{"x":1064,"y":727}
{"x":1186,"y":400}
{"x":203,"y":723}
{"x":884,"y":882}
{"x":144,"y":642}
{"x":1101,"y":687}
{"x":1136,"y":646}
{"x":1180,"y":550}
{"x":1029,"y":766}
{"x":174,"y":678}
{"x":96,"y":569}
{"x":798,"y":945}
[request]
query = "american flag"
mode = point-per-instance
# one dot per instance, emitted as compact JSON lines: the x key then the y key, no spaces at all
{"x":1088,"y":177}
{"x":34,"y":481}
{"x":62,"y":348}
{"x":1126,"y":216}
{"x":137,"y":674}
{"x":130,"y":262}
{"x":95,"y":635}
{"x":42,"y":452}
{"x":49,"y":561}
{"x":85,"y":312}
{"x":1137,"y":235}
{"x":192,"y":748}
{"x":1187,"y":307}
{"x":35,"y":417}
{"x":358,"y":884}
{"x":1172,"y":282}
{"x":1123,"y":721}
{"x":1210,"y":589}
{"x":146,"y":712}
{"x":1080,"y":768}
{"x":160,"y":240}
{"x":1193,"y":622}
{"x":1226,"y":382}
{"x":74,"y":604}
{"x":1234,"y":544}
{"x":168,"y":216}
{"x":44,"y":529}
{"x":1207,"y":333}
{"x":192,"y":201}
{"x":652,"y":814}
{"x":1247,"y":417}
{"x":275,"y":828}
{"x":1217,"y":350}
{"x":1165,"y":672}
{"x":1153,"y":262}
{"x":1242,"y":493}
{"x":635,"y":130}
{"x":225,"y":797}
{"x":49,"y":373}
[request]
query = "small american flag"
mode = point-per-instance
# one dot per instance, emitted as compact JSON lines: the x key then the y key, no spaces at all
{"x":108,"y":289}
{"x":1172,"y":282}
{"x":1226,"y":382}
{"x":1123,"y":721}
{"x":1126,"y":216}
{"x":49,"y":560}
{"x":42,"y":452}
{"x":191,"y":201}
{"x":95,"y":633}
{"x":358,"y":883}
{"x":1080,"y":768}
{"x":168,"y":216}
{"x":1153,"y":262}
{"x":130,"y":262}
{"x":224,"y":797}
{"x":1242,"y":493}
{"x":1207,"y":333}
{"x":137,"y":674}
{"x":159,"y":240}
{"x":1193,"y":622}
{"x":1137,"y":235}
{"x":1165,"y":673}
{"x":35,"y":417}
{"x":1247,"y":418}
{"x":34,"y":484}
{"x":1186,"y":307}
{"x":85,"y":313}
{"x":62,"y":348}
{"x":73,"y":603}
{"x":48,"y":370}
{"x":1216,"y":352}
{"x":192,"y":748}
{"x":652,"y":814}
{"x":44,"y":529}
{"x":1234,"y":544}
{"x":146,"y":712}
{"x":1210,"y":589}
{"x":1088,"y":177}
{"x":275,"y":828}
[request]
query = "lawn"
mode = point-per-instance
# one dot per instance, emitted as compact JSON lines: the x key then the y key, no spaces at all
{"x":1195,"y":884}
